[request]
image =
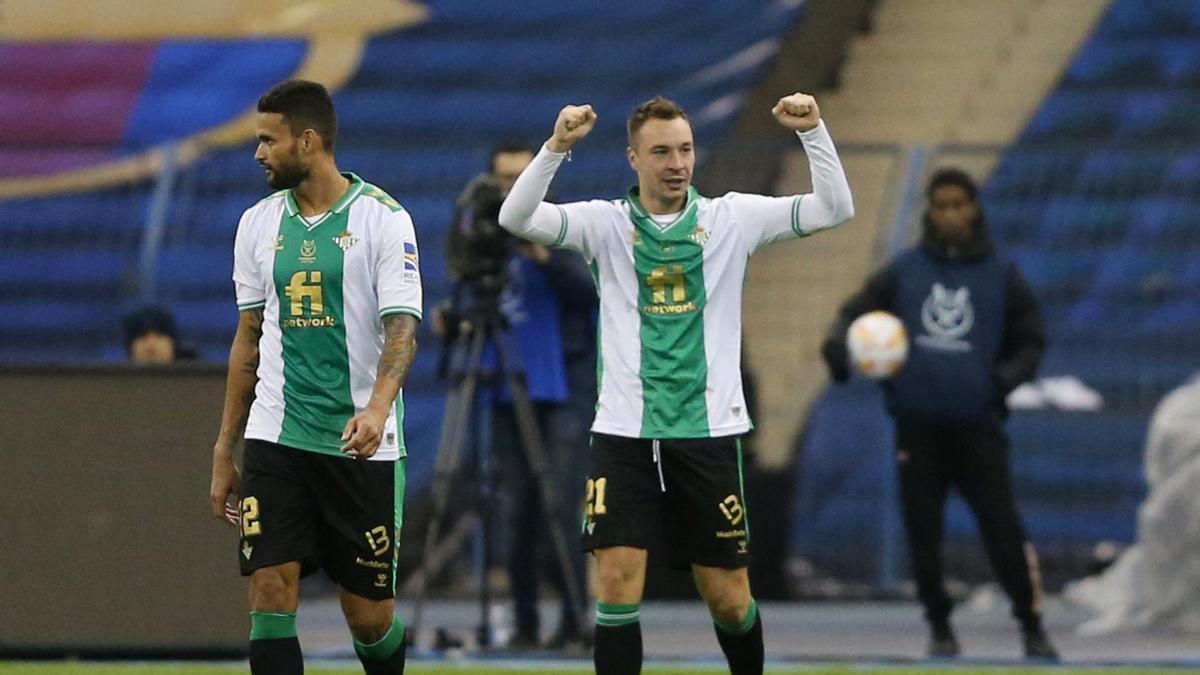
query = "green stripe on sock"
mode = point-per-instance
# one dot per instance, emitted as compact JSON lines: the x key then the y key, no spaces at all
{"x":617,"y":615}
{"x":386,"y":646}
{"x":272,"y":625}
{"x":743,"y":627}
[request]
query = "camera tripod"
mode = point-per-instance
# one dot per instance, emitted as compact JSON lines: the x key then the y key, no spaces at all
{"x":465,"y":356}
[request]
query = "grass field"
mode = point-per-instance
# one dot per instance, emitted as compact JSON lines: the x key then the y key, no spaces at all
{"x":475,"y":669}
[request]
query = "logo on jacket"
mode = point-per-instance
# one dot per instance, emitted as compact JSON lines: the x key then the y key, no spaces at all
{"x":947,"y":316}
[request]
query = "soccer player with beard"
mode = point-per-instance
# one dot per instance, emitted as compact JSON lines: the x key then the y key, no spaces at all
{"x":329,"y":294}
{"x":670,"y":265}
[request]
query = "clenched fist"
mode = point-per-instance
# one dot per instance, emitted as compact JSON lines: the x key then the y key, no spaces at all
{"x":798,"y":112}
{"x":573,"y":123}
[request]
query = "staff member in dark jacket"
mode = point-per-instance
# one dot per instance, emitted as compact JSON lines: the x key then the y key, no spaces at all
{"x":977,"y":334}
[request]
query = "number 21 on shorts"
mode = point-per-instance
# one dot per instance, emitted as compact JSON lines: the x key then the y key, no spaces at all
{"x":593,"y":500}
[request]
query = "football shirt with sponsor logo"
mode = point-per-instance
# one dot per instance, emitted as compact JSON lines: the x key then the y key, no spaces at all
{"x":671,"y":292}
{"x":324,"y":284}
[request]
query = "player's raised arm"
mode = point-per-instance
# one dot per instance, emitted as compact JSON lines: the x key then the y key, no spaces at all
{"x":523,"y":212}
{"x":770,"y":219}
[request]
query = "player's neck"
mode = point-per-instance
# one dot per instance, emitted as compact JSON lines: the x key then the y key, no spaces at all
{"x":323,"y":188}
{"x":657,"y":206}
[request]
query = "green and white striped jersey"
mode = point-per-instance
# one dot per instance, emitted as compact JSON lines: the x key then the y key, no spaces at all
{"x":671,"y":289}
{"x":324,"y":284}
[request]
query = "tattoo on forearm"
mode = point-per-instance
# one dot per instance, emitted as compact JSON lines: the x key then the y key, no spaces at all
{"x":400,"y":346}
{"x":254,"y":322}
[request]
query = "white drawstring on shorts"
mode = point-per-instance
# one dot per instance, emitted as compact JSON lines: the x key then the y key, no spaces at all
{"x":656,"y":448}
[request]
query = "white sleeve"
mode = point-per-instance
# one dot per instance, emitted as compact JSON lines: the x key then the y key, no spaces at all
{"x":398,"y":269}
{"x":524,"y":213}
{"x":248,"y":284}
{"x":765,"y":220}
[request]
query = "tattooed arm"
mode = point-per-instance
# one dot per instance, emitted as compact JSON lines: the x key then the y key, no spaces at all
{"x":239,"y":394}
{"x":364,"y":431}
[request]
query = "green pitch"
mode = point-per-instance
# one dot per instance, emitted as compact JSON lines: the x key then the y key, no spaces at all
{"x":55,"y":668}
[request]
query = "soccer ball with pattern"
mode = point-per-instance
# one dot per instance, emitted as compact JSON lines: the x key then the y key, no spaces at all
{"x":878,"y":344}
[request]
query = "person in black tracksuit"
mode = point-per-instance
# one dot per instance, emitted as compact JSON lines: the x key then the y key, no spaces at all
{"x":975,"y":334}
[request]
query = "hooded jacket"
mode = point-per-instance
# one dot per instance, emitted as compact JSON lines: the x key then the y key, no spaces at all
{"x":974,"y":327}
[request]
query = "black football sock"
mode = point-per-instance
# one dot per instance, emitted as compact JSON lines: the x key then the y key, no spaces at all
{"x":274,"y":647}
{"x":385,"y":656}
{"x":618,"y":646}
{"x":743,"y":643}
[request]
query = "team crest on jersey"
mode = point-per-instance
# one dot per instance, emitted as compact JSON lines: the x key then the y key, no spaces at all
{"x":345,"y":240}
{"x":308,"y":251}
{"x":278,"y":245}
{"x":699,"y":235}
{"x":947,"y":316}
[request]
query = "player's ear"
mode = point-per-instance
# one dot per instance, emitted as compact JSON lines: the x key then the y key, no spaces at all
{"x":309,"y":142}
{"x":631,"y":155}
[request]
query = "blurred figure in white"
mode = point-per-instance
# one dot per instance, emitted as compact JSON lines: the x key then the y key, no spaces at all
{"x":1156,"y":581}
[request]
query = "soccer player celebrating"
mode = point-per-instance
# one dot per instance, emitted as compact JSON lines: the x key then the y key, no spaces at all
{"x":670,"y":264}
{"x":329,"y":294}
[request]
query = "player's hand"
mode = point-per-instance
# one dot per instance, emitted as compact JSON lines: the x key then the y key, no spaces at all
{"x":573,"y":123}
{"x":798,"y":112}
{"x":223,"y":493}
{"x":363,"y":433}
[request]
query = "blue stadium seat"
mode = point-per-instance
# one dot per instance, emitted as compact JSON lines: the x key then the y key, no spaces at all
{"x":192,"y":271}
{"x":83,"y":273}
{"x":207,"y":321}
{"x":1183,"y":173}
{"x":1130,"y":267}
{"x":1163,"y":220}
{"x":1141,"y":18}
{"x":1068,"y":115}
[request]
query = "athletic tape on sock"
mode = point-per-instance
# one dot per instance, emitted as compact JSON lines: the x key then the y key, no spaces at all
{"x":272,"y":625}
{"x":746,"y":623}
{"x":387,"y":645}
{"x":617,"y":615}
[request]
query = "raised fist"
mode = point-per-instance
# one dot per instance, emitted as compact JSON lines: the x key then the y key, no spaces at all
{"x":573,"y":123}
{"x":798,"y":112}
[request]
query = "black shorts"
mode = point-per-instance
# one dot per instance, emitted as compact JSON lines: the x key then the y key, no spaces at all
{"x":335,"y":513}
{"x":699,"y":500}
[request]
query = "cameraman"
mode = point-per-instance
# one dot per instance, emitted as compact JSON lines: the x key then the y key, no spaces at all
{"x":549,"y":302}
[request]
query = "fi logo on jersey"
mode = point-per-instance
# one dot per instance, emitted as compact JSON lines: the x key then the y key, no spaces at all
{"x":306,"y":302}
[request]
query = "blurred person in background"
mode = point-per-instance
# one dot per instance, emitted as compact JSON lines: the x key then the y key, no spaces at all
{"x":329,"y":297}
{"x":548,"y":301}
{"x":670,"y":265}
{"x":152,"y":339}
{"x":978,"y":335}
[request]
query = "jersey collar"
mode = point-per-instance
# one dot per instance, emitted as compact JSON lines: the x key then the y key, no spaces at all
{"x":642,"y":217}
{"x":352,"y":193}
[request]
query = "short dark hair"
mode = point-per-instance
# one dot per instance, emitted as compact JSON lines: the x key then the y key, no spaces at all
{"x":507,"y":148}
{"x":952,"y":176}
{"x":304,"y":105}
{"x":147,"y":320}
{"x":659,"y":108}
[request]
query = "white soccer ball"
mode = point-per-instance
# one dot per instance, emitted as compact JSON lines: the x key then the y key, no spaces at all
{"x":878,"y":344}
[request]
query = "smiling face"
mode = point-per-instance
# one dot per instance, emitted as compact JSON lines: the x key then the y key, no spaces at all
{"x":280,"y":152}
{"x":663,"y":154}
